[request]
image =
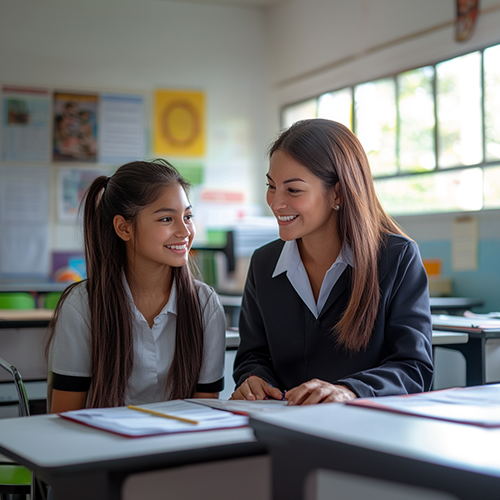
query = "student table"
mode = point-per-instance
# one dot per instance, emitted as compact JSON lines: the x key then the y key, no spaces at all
{"x":459,"y":459}
{"x":81,"y":463}
{"x":453,"y":305}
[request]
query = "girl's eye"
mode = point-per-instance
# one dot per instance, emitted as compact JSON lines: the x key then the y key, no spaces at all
{"x":189,"y":217}
{"x":166,"y":219}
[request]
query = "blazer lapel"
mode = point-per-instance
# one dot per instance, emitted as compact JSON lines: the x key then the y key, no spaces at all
{"x":339,"y":289}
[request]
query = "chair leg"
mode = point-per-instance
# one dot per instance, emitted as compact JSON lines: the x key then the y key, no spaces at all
{"x":38,"y":489}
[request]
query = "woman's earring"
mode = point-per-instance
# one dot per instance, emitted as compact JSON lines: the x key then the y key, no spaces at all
{"x":336,"y":207}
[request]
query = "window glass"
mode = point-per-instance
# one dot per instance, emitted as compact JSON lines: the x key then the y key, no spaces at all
{"x":492,"y":102}
{"x":375,"y":123}
{"x":459,"y":111}
{"x":449,"y":191}
{"x":416,"y":120}
{"x":300,"y":111}
{"x":337,"y":106}
{"x":492,"y":187}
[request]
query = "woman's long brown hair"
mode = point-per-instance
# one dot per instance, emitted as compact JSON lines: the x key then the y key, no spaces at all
{"x":334,"y":154}
{"x":131,"y":188}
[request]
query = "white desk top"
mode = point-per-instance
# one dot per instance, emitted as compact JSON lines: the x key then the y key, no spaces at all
{"x":465,"y":447}
{"x":50,"y":441}
{"x":442,"y":338}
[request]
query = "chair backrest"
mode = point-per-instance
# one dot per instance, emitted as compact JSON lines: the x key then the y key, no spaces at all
{"x":24,"y":409}
{"x":17,"y":300}
{"x":17,"y":481}
{"x":51,"y":300}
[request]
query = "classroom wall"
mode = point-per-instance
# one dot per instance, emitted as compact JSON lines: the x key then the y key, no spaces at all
{"x":139,"y":46}
{"x":315,"y":46}
{"x":433,"y":234}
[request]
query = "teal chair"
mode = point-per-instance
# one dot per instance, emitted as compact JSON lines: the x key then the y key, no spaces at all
{"x":16,"y":480}
{"x":51,"y":300}
{"x":17,"y":300}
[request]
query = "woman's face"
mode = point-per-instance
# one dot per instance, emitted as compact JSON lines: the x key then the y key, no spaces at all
{"x":299,"y":201}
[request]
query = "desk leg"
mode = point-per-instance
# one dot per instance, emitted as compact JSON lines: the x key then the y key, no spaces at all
{"x":474,"y":352}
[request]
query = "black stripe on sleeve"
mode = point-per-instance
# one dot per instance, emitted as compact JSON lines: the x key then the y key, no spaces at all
{"x":216,"y":386}
{"x":70,"y":383}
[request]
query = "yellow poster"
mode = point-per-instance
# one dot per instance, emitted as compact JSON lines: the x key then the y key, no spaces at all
{"x":179,"y":123}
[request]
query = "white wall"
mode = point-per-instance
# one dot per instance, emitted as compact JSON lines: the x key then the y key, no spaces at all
{"x":142,"y":45}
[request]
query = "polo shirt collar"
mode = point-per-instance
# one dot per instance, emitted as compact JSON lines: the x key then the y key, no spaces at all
{"x":169,"y":307}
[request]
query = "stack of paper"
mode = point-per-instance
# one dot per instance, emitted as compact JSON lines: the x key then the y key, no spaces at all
{"x":132,"y":423}
{"x":478,"y":405}
{"x":460,"y":323}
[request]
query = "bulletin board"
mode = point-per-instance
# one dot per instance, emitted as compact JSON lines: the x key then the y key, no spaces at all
{"x":58,"y":140}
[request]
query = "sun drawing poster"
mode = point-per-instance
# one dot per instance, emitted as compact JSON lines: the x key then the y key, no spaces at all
{"x":179,"y":123}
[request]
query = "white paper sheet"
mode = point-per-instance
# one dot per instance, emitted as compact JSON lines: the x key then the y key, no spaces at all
{"x":122,"y":128}
{"x":464,"y":242}
{"x":24,"y":222}
{"x":132,"y":423}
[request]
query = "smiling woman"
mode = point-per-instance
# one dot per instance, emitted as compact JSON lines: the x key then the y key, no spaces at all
{"x":339,"y":307}
{"x":140,"y":329}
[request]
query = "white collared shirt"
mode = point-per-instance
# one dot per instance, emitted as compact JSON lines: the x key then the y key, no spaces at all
{"x":153,"y":347}
{"x":291,"y":263}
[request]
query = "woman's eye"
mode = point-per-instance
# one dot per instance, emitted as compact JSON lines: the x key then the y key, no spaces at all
{"x":166,"y":219}
{"x":189,"y":217}
{"x":269,"y":186}
{"x":294,"y":191}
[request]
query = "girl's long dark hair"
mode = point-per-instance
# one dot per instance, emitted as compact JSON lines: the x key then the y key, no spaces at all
{"x":334,"y":154}
{"x":131,"y":188}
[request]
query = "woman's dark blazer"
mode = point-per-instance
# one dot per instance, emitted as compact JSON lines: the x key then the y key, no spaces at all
{"x":284,"y":344}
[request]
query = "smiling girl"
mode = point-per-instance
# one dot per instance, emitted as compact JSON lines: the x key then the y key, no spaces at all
{"x":338,"y":308}
{"x":140,"y":329}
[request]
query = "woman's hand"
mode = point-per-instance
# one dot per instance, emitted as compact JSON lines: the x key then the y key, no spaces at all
{"x":254,"y":388}
{"x":318,"y":391}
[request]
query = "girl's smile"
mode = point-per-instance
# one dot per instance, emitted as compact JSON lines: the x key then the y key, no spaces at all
{"x":163,"y":231}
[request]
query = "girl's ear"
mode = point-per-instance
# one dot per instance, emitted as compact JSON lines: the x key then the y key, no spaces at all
{"x":336,"y":196}
{"x":122,"y":228}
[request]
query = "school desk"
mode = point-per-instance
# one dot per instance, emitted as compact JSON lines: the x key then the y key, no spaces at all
{"x":82,"y":463}
{"x":453,"y":305}
{"x":462,"y":460}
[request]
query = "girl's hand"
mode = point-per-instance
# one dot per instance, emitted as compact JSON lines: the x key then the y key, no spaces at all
{"x":318,"y":391}
{"x":254,"y":388}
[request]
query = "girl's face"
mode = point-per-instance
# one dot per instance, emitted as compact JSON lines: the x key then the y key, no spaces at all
{"x":299,"y":201}
{"x":164,"y":230}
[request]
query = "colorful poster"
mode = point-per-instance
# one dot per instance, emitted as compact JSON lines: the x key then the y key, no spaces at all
{"x":75,"y":127}
{"x":179,"y":123}
{"x":72,"y":184}
{"x":121,"y":128}
{"x":25,"y":124}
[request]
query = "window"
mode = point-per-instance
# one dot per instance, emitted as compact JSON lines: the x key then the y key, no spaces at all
{"x":431,"y":134}
{"x":375,"y":118}
{"x":337,"y":106}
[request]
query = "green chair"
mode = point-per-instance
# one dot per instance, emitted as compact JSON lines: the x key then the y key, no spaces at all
{"x":17,"y":300}
{"x":15,"y":480}
{"x":51,"y":300}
